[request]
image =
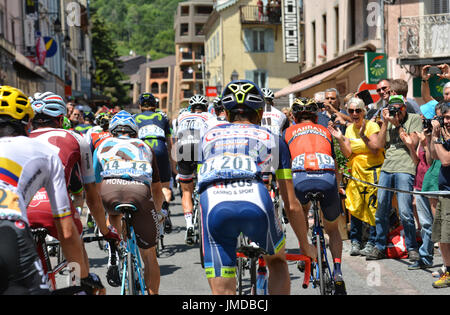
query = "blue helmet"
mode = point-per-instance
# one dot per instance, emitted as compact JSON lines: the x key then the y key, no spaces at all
{"x":48,"y":103}
{"x":123,"y":122}
{"x":242,"y":92}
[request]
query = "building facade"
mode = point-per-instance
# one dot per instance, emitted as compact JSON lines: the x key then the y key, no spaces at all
{"x":190,"y":19}
{"x":244,"y":40}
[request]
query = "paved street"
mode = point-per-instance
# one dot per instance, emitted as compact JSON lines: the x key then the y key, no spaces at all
{"x":182,"y":274}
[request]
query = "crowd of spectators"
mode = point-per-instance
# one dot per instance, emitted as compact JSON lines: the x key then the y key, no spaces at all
{"x":400,"y":145}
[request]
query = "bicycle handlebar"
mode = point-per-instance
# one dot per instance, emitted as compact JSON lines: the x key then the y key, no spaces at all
{"x":307,"y":260}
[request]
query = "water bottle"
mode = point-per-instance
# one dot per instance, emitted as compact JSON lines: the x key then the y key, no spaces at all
{"x":261,"y":282}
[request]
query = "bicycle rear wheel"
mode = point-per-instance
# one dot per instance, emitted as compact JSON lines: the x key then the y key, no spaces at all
{"x":320,"y":267}
{"x":240,"y":267}
{"x":200,"y":242}
{"x":131,"y":276}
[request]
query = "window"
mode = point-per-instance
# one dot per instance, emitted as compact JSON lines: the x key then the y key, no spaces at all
{"x":199,"y":29}
{"x":364,"y":22}
{"x":202,"y":9}
{"x":2,"y":23}
{"x":184,"y":10}
{"x":259,"y":40}
{"x":336,"y":13}
{"x":313,"y":26}
{"x":352,"y":22}
{"x":257,"y":76}
{"x":184,"y":29}
{"x":441,"y":6}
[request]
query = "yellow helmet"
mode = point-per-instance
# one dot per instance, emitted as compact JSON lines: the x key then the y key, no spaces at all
{"x":14,"y":103}
{"x":304,"y":104}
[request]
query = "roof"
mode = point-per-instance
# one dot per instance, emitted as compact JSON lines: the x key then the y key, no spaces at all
{"x":130,"y":64}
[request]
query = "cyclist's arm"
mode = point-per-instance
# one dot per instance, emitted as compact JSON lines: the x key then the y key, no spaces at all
{"x":69,"y":238}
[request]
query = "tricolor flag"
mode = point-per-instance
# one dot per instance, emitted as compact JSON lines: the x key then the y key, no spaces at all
{"x":41,"y":51}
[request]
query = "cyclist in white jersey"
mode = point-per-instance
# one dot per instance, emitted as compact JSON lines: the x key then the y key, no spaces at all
{"x":273,"y":119}
{"x":26,"y":165}
{"x":188,"y":128}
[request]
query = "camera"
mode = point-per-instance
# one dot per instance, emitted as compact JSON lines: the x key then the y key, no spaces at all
{"x":320,"y":105}
{"x":427,"y":124}
{"x":440,"y":119}
{"x":393,"y":110}
{"x":333,"y":117}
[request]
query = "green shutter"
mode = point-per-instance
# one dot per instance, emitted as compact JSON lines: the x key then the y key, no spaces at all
{"x":248,"y":40}
{"x":269,"y":40}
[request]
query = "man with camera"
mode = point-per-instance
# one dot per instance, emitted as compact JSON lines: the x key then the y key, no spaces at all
{"x":439,"y":140}
{"x":399,"y":138}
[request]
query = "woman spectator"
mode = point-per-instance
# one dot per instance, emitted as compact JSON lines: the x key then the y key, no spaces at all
{"x":358,"y":145}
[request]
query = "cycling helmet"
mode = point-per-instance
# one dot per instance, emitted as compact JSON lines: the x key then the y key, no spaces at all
{"x":148,"y":100}
{"x":268,"y":94}
{"x":197,"y":101}
{"x":49,"y":104}
{"x":15,"y":104}
{"x":89,"y":116}
{"x":304,"y":105}
{"x":218,"y":106}
{"x":103,"y":119}
{"x":242,"y":92}
{"x":66,"y":123}
{"x":123,"y":122}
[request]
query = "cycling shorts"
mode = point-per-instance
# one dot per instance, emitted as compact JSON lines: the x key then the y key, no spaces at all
{"x":187,"y":160}
{"x":115,"y":191}
{"x":325,"y":182}
{"x":40,"y":214}
{"x":229,"y":208}
{"x":21,"y":270}
{"x":162,"y":158}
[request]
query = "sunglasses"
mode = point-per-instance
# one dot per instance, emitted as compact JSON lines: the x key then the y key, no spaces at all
{"x":384,"y":88}
{"x":358,"y":111}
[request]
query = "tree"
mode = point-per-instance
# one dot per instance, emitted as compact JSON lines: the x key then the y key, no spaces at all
{"x":107,"y":73}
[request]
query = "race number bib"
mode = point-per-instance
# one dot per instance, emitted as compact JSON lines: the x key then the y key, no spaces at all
{"x":229,"y":166}
{"x":313,"y":162}
{"x":9,"y":201}
{"x":151,"y":131}
{"x":123,"y":167}
{"x":193,"y":124}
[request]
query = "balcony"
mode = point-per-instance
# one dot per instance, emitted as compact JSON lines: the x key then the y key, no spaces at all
{"x":426,"y":36}
{"x":252,"y":14}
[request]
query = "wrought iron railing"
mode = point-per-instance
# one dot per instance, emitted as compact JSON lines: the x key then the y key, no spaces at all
{"x":426,"y":36}
{"x":253,"y":14}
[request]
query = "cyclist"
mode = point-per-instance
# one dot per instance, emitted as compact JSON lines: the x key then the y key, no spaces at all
{"x":273,"y":119}
{"x":74,"y":154}
{"x":26,"y":165}
{"x":313,"y":166}
{"x":154,"y":130}
{"x":233,"y":197}
{"x":219,"y":110}
{"x":127,"y":170}
{"x":100,"y":132}
{"x":188,"y":129}
{"x":88,"y":123}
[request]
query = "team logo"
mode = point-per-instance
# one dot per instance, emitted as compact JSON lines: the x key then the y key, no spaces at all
{"x":19,"y":224}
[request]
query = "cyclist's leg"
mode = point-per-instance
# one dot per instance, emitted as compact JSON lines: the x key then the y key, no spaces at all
{"x":21,"y":270}
{"x":152,"y":274}
{"x":165,"y":170}
{"x":186,"y":171}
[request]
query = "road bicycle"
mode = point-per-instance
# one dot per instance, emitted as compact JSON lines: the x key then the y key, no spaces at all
{"x":197,"y":221}
{"x":250,"y":257}
{"x":130,"y":263}
{"x":278,"y":204}
{"x":321,"y":275}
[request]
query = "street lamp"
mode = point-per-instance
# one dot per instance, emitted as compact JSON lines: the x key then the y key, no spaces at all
{"x":234,"y":75}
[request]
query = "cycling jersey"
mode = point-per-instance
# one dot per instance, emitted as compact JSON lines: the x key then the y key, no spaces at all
{"x":82,"y":129}
{"x":154,"y":129}
{"x":274,"y":120}
{"x":126,"y":158}
{"x":25,"y":166}
{"x":311,"y":147}
{"x":242,"y":151}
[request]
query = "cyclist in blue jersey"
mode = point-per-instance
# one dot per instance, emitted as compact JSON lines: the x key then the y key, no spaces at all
{"x":233,"y":197}
{"x":154,"y":130}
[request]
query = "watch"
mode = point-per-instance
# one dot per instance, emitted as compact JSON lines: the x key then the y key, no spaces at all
{"x":438,"y":141}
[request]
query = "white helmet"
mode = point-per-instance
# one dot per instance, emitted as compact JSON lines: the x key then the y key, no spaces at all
{"x":49,"y":104}
{"x":197,"y":100}
{"x":268,"y":94}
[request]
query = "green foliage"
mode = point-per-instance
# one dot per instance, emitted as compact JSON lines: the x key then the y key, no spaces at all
{"x":341,"y":160}
{"x":144,"y":26}
{"x":107,"y":73}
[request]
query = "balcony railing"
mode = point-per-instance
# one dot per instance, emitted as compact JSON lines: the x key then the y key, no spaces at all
{"x":253,"y":14}
{"x":426,"y":36}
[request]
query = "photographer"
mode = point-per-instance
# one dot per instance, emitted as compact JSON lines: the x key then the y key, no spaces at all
{"x":398,"y":136}
{"x":443,"y":72}
{"x":440,"y":149}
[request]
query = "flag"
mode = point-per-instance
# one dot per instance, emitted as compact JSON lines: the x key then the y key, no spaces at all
{"x":41,"y":51}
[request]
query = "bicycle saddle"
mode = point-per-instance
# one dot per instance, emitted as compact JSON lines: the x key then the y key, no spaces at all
{"x":125,"y":207}
{"x":252,"y":250}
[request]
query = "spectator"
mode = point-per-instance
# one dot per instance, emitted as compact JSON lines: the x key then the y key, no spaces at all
{"x":384,"y":91}
{"x":77,"y":117}
{"x":260,"y":10}
{"x":332,"y":106}
{"x":398,"y":136}
{"x":70,"y":108}
{"x":440,"y":149}
{"x":400,"y":87}
{"x":422,"y":204}
{"x":426,"y":95}
{"x":365,"y":160}
{"x":287,"y":111}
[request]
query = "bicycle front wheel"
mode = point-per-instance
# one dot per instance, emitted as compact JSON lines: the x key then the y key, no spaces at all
{"x":321,"y":269}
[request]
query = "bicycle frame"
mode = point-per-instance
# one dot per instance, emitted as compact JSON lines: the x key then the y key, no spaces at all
{"x":129,"y":272}
{"x":318,"y":274}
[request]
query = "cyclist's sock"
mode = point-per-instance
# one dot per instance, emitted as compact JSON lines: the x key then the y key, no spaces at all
{"x":112,"y":257}
{"x":188,"y":218}
{"x":337,"y":266}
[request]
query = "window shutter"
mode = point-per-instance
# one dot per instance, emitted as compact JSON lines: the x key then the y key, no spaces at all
{"x":249,"y":75}
{"x":248,"y":40}
{"x":269,"y":40}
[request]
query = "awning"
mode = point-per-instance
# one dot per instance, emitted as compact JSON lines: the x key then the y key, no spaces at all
{"x":311,"y":81}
